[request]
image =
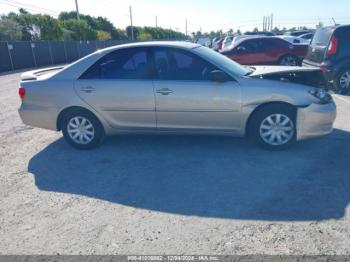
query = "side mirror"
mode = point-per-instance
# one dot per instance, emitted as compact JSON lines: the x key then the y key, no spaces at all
{"x":219,"y":76}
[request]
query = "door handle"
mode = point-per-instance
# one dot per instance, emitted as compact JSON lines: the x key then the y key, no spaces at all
{"x":165,"y":91}
{"x":87,"y":89}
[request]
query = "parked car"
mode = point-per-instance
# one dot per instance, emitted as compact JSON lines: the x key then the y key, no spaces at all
{"x":294,"y":39}
{"x":217,"y":43}
{"x":266,"y":51}
{"x":227,"y":42}
{"x":330,"y":51}
{"x":260,"y":33}
{"x":307,"y":36}
{"x":172,"y":87}
{"x":205,"y":41}
{"x":298,"y":33}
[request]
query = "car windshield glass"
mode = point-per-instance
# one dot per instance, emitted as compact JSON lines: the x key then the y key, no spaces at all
{"x":322,"y":36}
{"x":221,"y":61}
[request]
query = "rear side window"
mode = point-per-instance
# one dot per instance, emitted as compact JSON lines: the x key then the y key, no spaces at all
{"x":322,"y":36}
{"x":130,"y":63}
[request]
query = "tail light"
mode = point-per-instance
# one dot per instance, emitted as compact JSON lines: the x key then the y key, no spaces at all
{"x":21,"y":92}
{"x":333,"y":46}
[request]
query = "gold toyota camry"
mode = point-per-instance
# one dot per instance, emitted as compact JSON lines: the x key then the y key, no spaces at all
{"x":175,"y":87}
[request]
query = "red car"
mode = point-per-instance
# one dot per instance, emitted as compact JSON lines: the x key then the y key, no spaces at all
{"x":266,"y":51}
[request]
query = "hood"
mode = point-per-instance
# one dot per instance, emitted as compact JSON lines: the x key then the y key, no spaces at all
{"x":266,"y":70}
{"x":310,"y":76}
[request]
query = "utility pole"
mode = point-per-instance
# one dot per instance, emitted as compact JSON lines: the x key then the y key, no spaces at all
{"x":156,"y":21}
{"x":77,"y":9}
{"x":132,"y":28}
{"x":186,"y":26}
{"x":264,"y":21}
{"x":271,"y":22}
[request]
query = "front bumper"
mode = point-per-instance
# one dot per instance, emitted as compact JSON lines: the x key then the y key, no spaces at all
{"x":315,"y":120}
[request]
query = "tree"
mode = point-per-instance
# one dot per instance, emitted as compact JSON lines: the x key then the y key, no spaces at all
{"x":9,"y":30}
{"x":49,"y":27}
{"x":145,"y":36}
{"x":80,"y":29}
{"x":103,"y":35}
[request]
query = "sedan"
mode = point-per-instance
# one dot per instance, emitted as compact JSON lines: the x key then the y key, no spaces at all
{"x":171,"y":87}
{"x":262,"y":50}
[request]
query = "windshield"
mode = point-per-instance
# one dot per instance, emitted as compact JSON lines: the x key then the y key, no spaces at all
{"x":221,"y":61}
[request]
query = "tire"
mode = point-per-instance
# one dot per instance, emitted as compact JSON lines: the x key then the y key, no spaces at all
{"x":279,"y":121}
{"x":342,"y":82}
{"x":289,"y":60}
{"x":82,"y":129}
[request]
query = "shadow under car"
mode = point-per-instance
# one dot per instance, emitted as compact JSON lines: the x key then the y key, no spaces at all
{"x":206,"y":176}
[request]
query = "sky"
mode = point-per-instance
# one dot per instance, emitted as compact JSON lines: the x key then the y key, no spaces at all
{"x":205,"y":15}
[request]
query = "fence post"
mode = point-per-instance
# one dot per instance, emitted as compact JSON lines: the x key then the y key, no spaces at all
{"x":8,"y":49}
{"x":32,"y":46}
{"x":48,"y":42}
{"x":78,"y":44}
{"x":65,"y":51}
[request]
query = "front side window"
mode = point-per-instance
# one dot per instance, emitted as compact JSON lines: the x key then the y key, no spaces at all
{"x":130,"y":63}
{"x":177,"y":64}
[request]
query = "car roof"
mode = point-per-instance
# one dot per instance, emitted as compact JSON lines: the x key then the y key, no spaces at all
{"x":180,"y":44}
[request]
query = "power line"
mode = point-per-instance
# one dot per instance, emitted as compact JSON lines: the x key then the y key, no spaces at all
{"x":28,"y":6}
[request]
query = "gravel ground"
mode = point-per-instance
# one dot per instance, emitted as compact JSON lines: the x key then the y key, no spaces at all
{"x":170,"y":194}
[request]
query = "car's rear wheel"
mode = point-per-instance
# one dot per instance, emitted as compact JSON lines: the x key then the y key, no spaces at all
{"x":343,"y":82}
{"x":82,"y":129}
{"x":289,"y":60}
{"x":273,"y":127}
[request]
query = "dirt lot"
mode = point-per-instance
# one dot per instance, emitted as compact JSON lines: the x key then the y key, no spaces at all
{"x":170,"y":195}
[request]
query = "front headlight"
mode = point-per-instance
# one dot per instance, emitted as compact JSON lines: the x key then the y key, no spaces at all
{"x":321,"y":94}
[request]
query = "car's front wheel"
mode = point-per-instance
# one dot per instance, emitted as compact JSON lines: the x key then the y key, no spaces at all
{"x":82,"y":129}
{"x":273,"y":127}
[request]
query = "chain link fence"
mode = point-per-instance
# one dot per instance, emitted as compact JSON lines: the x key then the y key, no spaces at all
{"x":16,"y":55}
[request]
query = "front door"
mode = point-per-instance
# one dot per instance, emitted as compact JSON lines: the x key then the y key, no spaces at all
{"x":187,"y":99}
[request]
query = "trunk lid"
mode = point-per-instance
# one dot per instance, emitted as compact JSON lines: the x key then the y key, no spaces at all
{"x":39,"y":74}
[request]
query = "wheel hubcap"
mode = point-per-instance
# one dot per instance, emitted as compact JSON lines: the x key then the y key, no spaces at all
{"x":277,"y":129}
{"x":80,"y":130}
{"x":344,"y":80}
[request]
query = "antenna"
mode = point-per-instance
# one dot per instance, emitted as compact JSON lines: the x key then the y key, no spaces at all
{"x":335,"y":23}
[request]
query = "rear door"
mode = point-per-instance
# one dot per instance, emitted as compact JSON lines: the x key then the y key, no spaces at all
{"x":120,"y":88}
{"x":185,"y":97}
{"x":273,"y":48}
